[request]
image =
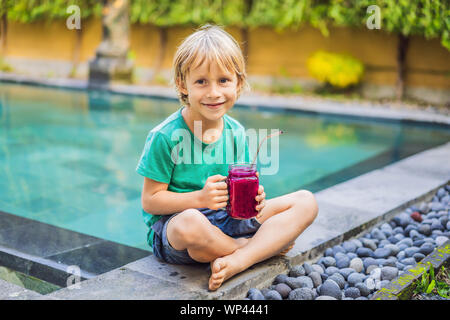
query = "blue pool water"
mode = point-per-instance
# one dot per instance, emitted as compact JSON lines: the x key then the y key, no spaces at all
{"x":68,"y":157}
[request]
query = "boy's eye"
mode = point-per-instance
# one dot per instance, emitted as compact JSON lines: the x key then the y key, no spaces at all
{"x":201,"y":81}
{"x":224,"y":80}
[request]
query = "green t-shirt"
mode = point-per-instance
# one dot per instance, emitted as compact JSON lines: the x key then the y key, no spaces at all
{"x":173,"y":155}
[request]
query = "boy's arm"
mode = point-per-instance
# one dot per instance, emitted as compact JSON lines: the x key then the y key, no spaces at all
{"x":156,"y":199}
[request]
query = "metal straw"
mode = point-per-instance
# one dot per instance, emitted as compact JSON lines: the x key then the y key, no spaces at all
{"x":265,"y":138}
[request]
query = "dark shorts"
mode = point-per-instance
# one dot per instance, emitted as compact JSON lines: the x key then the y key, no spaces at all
{"x":232,"y":227}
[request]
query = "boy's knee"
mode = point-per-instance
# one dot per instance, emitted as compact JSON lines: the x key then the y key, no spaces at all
{"x":308,"y":200}
{"x":188,"y":225}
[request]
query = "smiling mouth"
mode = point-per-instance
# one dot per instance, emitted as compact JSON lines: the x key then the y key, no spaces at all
{"x":213,"y":105}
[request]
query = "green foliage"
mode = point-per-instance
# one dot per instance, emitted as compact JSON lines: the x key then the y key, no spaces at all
{"x":431,"y":284}
{"x":27,"y":11}
{"x":428,"y":18}
{"x":339,"y":70}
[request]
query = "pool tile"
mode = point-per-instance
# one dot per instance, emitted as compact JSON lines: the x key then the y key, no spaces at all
{"x":100,"y":257}
{"x":41,"y":239}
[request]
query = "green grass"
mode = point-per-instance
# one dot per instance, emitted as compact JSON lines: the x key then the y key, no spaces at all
{"x":434,"y":284}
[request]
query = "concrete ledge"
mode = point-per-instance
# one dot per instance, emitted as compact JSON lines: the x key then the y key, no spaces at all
{"x":401,"y":288}
{"x":345,"y":210}
{"x":9,"y":291}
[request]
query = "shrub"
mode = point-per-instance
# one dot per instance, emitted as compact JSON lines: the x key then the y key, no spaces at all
{"x":339,"y":70}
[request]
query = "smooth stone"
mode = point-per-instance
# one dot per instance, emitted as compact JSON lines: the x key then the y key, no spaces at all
{"x":301,"y":294}
{"x":363,"y":290}
{"x":425,"y":229}
{"x":340,"y":255}
{"x":369,"y":283}
{"x":328,"y":252}
{"x":283,"y":289}
{"x":352,"y":292}
{"x":394,"y":249}
{"x":297,"y":271}
{"x":343,"y":262}
{"x":255,"y":294}
{"x":436,"y":225}
{"x":426,"y":248}
{"x":364,"y":252}
{"x":338,"y":248}
{"x":356,"y":264}
{"x":339,"y":279}
{"x":389,"y":273}
{"x":315,"y":278}
{"x":345,"y":272}
{"x":273,"y":295}
{"x":440,"y":240}
{"x":329,"y":262}
{"x":381,"y":253}
{"x":376,"y":274}
{"x":331,"y":270}
{"x":330,"y":288}
{"x":368,"y":243}
{"x":355,"y":278}
{"x":407,"y":241}
{"x":349,"y":246}
{"x":357,"y":242}
{"x":281,"y":278}
{"x":393,"y":239}
{"x":398,"y":230}
{"x":307,"y":267}
{"x":418,"y":243}
{"x":369,"y":261}
{"x":371,"y":268}
{"x":318,"y":268}
{"x":305,"y":281}
{"x":408,"y":261}
{"x":294,"y":283}
{"x":351,"y":255}
{"x":377,"y":234}
{"x":410,"y":251}
{"x":418,"y":256}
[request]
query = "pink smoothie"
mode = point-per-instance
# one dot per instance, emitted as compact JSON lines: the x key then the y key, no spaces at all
{"x":242,"y":189}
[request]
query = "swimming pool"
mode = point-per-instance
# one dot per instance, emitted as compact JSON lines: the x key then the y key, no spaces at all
{"x":68,"y":157}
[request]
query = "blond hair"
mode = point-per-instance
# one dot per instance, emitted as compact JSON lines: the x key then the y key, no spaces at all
{"x":210,"y":43}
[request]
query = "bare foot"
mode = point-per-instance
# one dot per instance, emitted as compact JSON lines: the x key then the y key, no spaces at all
{"x":222,"y":269}
{"x":289,"y":247}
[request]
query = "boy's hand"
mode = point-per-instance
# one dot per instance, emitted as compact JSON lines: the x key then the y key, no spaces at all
{"x":260,"y":198}
{"x":214,"y":194}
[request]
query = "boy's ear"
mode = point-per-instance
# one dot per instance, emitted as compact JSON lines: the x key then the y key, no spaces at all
{"x":181,"y":86}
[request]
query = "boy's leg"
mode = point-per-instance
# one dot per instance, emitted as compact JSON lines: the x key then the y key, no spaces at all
{"x":204,"y":242}
{"x":283,"y":219}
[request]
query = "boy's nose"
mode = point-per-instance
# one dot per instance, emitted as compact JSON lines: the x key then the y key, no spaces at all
{"x":213,"y":91}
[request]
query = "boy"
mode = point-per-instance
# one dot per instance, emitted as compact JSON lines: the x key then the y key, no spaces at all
{"x":183,"y":201}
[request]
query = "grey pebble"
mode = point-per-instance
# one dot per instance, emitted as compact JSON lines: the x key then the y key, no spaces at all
{"x":297,"y":271}
{"x":301,"y":294}
{"x":339,"y":279}
{"x":330,"y":288}
{"x":389,"y":273}
{"x":273,"y":295}
{"x":354,"y":278}
{"x":352,"y":292}
{"x":315,"y":278}
{"x":357,"y":264}
{"x":283,"y":289}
